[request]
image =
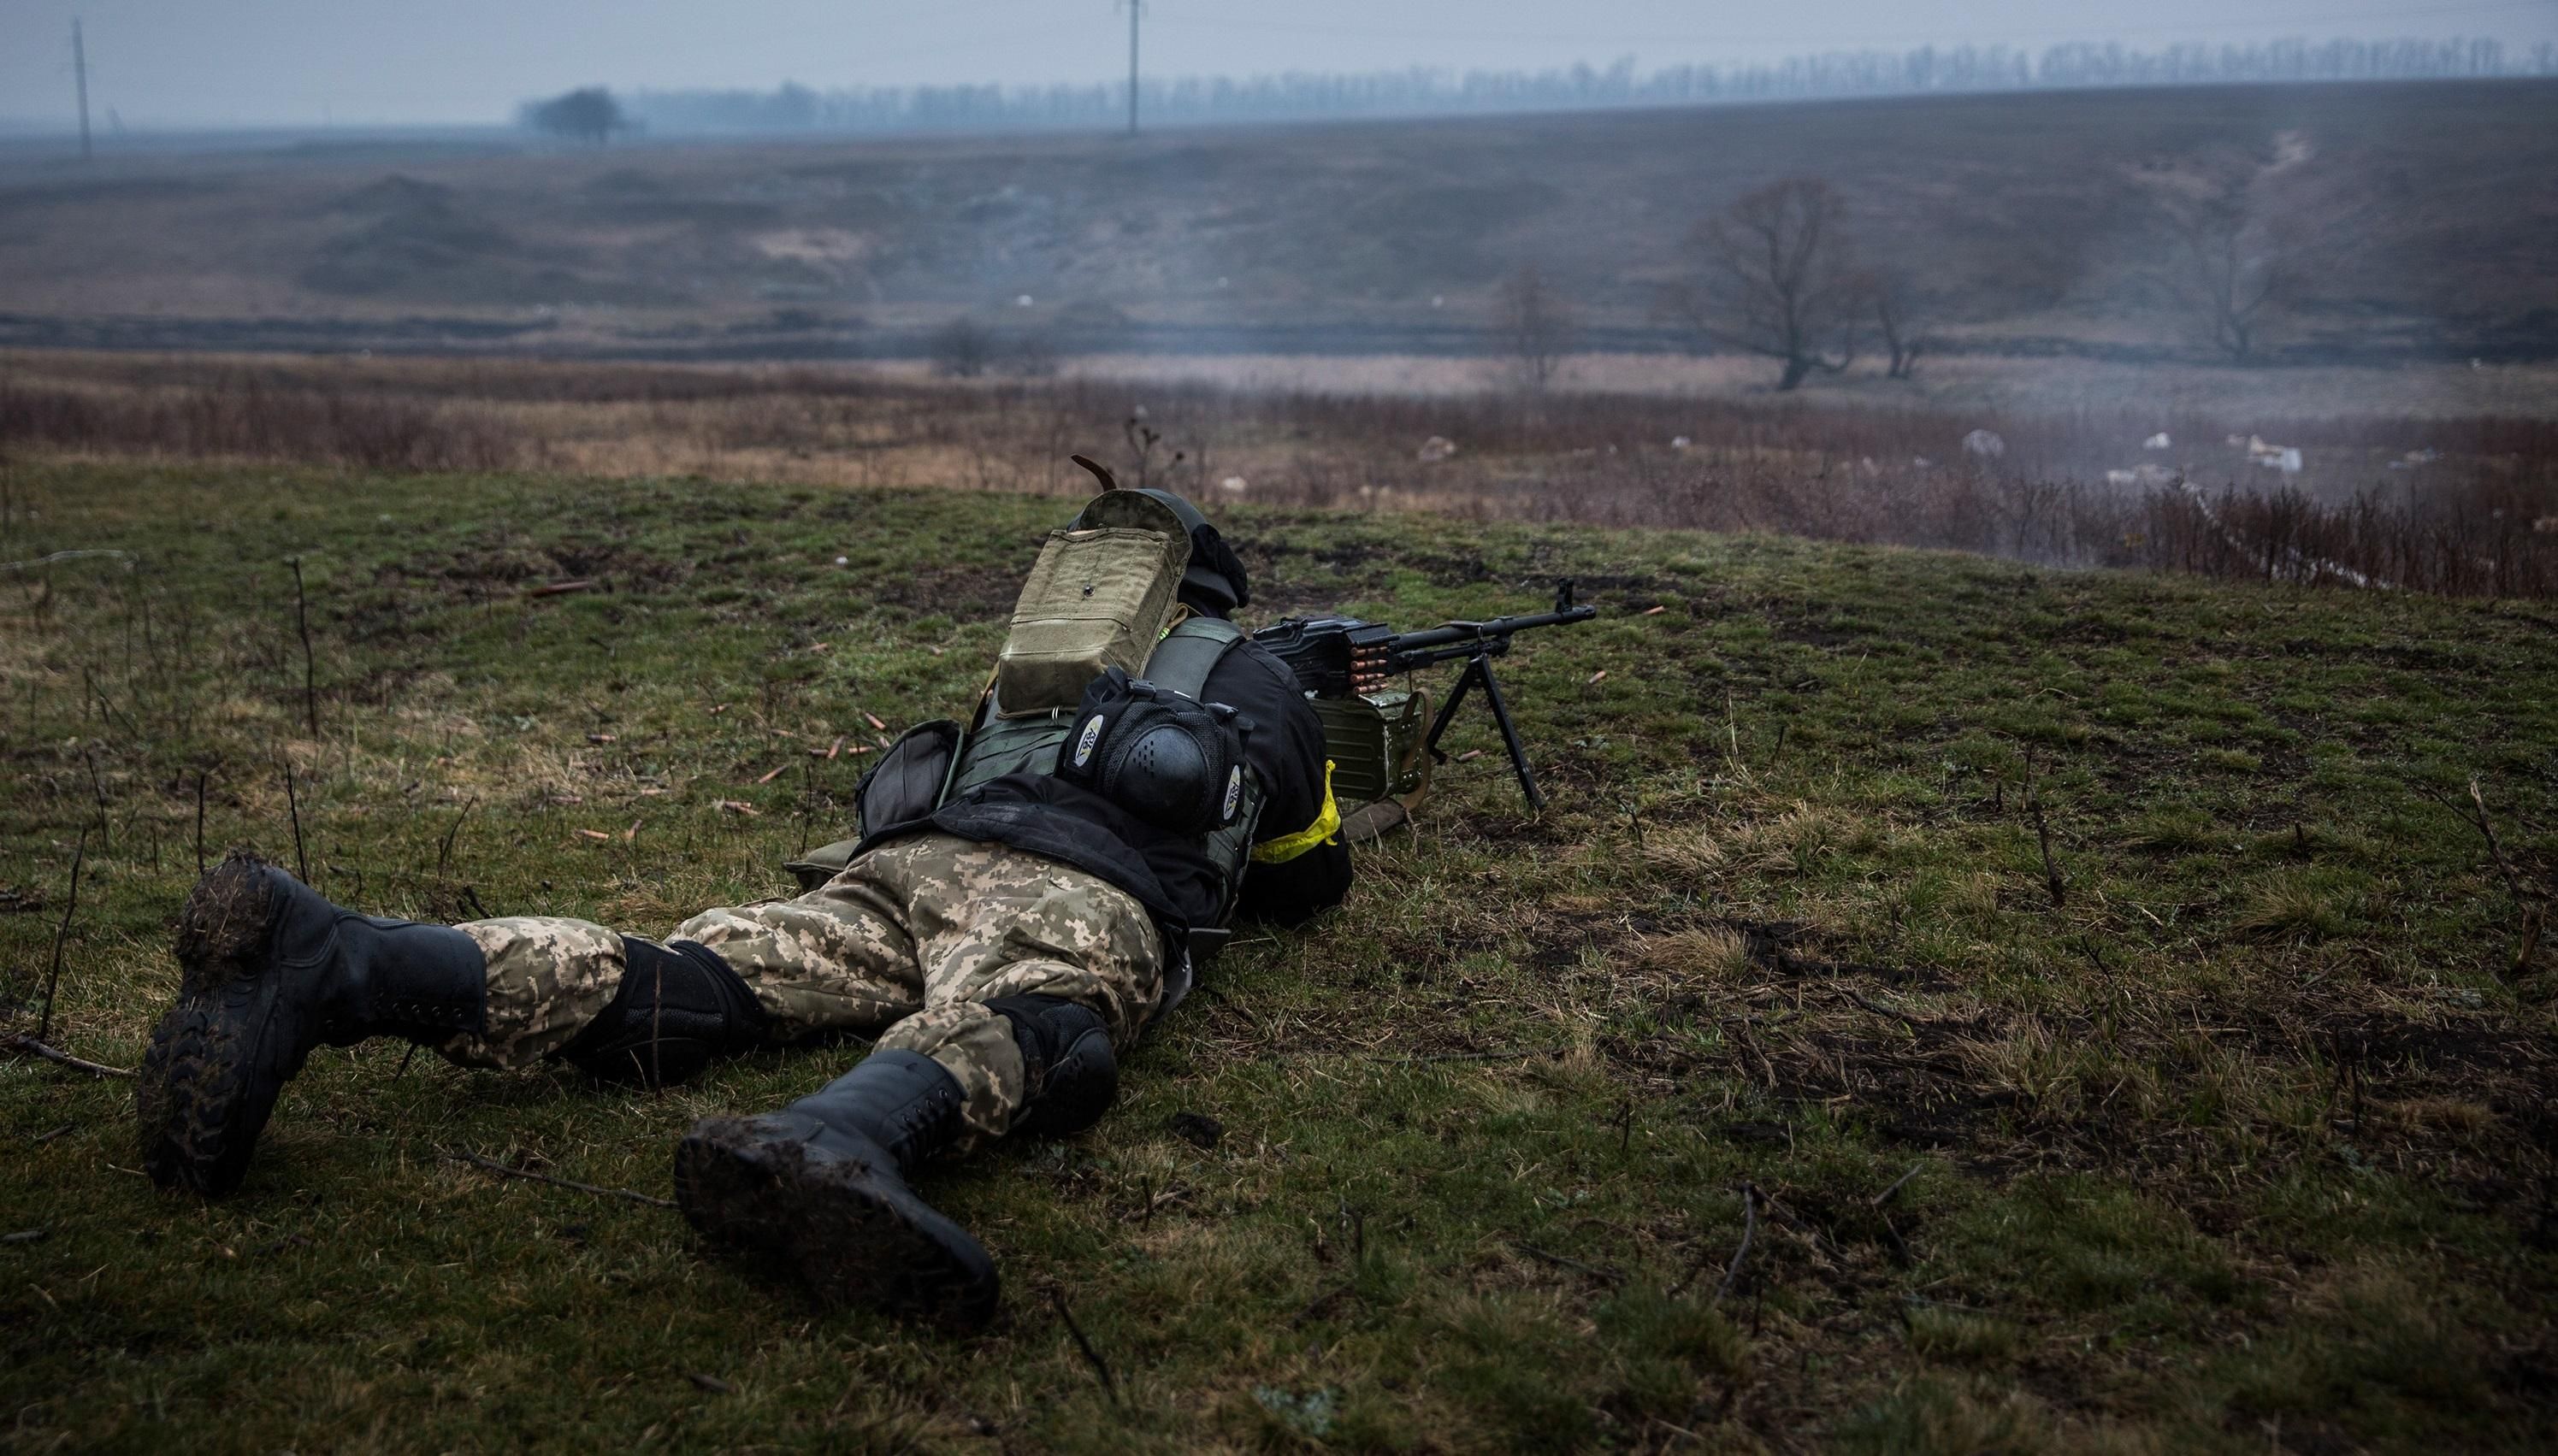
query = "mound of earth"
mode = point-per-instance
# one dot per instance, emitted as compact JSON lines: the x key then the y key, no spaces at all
{"x":420,"y":241}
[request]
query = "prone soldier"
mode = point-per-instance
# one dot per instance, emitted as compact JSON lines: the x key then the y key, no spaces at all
{"x":1030,"y":890}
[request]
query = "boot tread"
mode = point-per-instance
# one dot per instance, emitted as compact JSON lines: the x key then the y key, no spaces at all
{"x":199,"y":1108}
{"x":856,"y":1237}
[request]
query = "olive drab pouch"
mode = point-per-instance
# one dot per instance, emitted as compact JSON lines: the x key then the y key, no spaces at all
{"x":1099,"y":597}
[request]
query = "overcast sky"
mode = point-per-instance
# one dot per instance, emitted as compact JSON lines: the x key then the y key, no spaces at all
{"x":191,"y":62}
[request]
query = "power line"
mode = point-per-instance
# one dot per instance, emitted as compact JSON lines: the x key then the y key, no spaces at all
{"x":1135,"y":9}
{"x":80,"y":71}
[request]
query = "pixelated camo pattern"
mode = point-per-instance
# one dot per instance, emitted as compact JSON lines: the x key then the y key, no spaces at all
{"x":909,"y":942}
{"x":547,"y":978}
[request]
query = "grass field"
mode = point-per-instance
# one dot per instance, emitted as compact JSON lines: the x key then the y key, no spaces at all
{"x":1950,"y":1005}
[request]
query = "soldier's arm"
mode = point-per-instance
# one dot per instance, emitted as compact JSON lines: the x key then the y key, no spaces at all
{"x":1301,"y":866}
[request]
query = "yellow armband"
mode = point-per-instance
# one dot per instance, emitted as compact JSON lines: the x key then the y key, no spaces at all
{"x":1326,"y":827}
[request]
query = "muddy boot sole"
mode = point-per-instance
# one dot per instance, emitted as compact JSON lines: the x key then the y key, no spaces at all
{"x":857,"y":1239}
{"x":203,"y":1091}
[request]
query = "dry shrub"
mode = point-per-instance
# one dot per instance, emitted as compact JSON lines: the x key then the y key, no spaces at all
{"x":243,"y":417}
{"x":2046,"y":1075}
{"x":1714,"y":953}
{"x":2478,"y":518}
{"x":2289,"y":907}
{"x":1685,"y":855}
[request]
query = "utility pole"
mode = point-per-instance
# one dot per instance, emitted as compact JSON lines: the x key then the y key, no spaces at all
{"x":80,"y":71}
{"x":1135,"y":8}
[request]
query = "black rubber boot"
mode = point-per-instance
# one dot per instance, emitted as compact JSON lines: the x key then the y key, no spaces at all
{"x":678,"y":1009}
{"x":1068,"y":1073}
{"x":270,"y":970}
{"x":822,"y":1183}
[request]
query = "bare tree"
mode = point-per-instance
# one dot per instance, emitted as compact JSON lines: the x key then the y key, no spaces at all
{"x":2252,"y":230}
{"x":1893,"y":301}
{"x":2228,"y":268}
{"x":963,"y":348}
{"x":587,"y":114}
{"x":1031,"y":354}
{"x":1534,"y":325}
{"x":1776,"y":278}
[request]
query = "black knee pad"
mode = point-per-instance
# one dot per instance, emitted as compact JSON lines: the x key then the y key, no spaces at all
{"x":680,"y":1007}
{"x":1069,"y":1075}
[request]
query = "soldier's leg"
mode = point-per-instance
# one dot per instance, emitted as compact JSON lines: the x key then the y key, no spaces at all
{"x":1031,"y":968}
{"x":548,"y":979}
{"x":727,"y":981}
{"x":837,"y":959}
{"x":272,"y":970}
{"x":1035,"y":972}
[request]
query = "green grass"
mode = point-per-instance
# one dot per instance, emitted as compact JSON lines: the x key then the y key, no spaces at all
{"x":2244,"y":1141}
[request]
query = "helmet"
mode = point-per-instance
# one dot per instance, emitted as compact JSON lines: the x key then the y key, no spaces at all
{"x":1214,"y":582}
{"x":1215,"y":573}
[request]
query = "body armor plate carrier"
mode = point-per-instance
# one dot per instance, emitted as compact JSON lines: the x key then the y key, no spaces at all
{"x":997,"y":745}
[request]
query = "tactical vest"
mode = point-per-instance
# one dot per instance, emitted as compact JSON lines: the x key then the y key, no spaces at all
{"x":996,"y":746}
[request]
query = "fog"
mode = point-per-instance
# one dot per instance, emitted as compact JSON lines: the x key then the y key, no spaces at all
{"x":157,"y":63}
{"x":2001,"y":184}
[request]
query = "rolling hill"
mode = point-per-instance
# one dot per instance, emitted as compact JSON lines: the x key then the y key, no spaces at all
{"x":2420,"y":214}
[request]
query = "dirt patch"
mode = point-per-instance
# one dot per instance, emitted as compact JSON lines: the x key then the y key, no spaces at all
{"x":2385,"y":1044}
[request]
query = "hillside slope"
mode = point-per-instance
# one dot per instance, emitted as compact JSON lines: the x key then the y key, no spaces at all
{"x":2026,"y":222}
{"x":1950,"y":1005}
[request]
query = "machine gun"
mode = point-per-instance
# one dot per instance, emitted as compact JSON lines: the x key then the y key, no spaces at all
{"x":1343,"y":661}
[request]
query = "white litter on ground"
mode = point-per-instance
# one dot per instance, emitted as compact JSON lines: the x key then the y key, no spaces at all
{"x":2283,"y":457}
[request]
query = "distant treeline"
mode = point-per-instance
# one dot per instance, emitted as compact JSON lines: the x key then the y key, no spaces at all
{"x":1423,"y":91}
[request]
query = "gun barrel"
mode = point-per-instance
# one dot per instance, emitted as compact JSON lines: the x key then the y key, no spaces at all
{"x":1454,"y":633}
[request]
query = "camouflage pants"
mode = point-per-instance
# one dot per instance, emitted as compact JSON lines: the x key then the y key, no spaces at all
{"x":910,"y":941}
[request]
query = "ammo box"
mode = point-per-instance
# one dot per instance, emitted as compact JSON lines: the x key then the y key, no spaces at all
{"x":1375,"y":742}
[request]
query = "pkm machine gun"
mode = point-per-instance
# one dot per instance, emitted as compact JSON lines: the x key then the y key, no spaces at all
{"x":1341,"y":660}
